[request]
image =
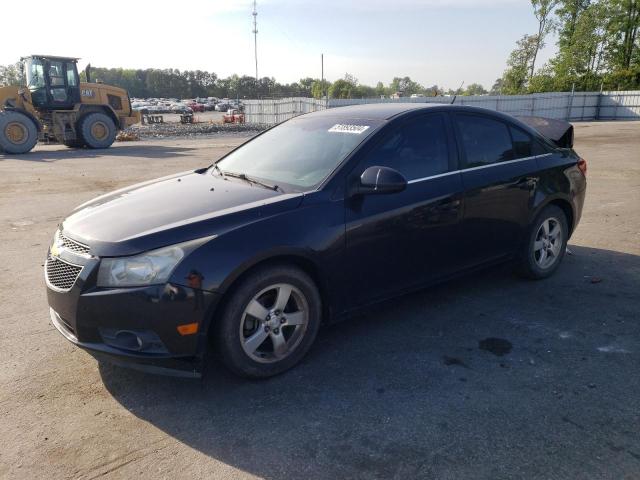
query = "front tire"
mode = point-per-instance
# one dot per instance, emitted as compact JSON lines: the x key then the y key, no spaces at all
{"x":18,"y":133}
{"x":546,"y":244}
{"x":269,"y":322}
{"x":97,"y":130}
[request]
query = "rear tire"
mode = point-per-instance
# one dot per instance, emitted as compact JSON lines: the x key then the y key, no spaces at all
{"x":545,"y":245}
{"x":18,"y":133}
{"x":269,"y":323}
{"x":97,"y":130}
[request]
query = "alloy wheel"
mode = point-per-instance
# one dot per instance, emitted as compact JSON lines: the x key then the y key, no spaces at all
{"x":548,"y":243}
{"x":274,"y":323}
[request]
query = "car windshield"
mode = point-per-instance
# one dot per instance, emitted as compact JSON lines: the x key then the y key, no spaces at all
{"x":299,"y":153}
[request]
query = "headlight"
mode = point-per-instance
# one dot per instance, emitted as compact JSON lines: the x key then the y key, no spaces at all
{"x":149,"y":268}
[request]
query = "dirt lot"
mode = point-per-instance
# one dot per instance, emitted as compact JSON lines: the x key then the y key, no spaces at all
{"x":404,"y":391}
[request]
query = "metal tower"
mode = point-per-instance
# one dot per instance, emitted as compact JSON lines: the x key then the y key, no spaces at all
{"x":255,"y":35}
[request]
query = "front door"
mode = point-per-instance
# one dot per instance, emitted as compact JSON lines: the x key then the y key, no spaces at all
{"x":399,"y":241}
{"x":64,"y":90}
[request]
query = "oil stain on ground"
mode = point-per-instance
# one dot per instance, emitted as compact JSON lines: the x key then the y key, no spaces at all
{"x":497,"y":346}
{"x":448,"y":361}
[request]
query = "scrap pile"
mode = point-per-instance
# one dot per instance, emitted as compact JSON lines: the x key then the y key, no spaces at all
{"x":163,"y":130}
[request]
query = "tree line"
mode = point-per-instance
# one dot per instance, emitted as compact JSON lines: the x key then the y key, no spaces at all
{"x":598,"y":47}
{"x":173,"y":83}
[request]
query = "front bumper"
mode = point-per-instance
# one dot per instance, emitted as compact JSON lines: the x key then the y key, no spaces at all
{"x":105,"y":320}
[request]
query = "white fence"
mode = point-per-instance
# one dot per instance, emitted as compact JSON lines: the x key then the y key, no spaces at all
{"x":578,"y":106}
{"x":270,"y":112}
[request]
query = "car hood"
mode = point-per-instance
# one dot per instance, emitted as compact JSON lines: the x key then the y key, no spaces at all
{"x":170,"y":210}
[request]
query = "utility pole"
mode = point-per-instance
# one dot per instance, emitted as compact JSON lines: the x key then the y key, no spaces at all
{"x":322,"y":73}
{"x":255,"y":35}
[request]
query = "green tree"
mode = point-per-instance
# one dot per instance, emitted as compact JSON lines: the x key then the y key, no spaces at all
{"x":475,"y":89}
{"x":519,"y":65}
{"x":623,"y":28}
{"x":405,"y":86}
{"x":543,"y":10}
{"x":344,"y":88}
{"x":496,"y":89}
{"x":11,"y":75}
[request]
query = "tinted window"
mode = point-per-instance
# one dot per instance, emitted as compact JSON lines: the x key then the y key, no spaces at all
{"x":300,"y":152}
{"x":485,"y":140}
{"x":522,"y":143}
{"x":416,"y":149}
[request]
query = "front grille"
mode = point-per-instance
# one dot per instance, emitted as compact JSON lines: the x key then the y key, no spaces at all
{"x":74,"y":246}
{"x":60,"y":274}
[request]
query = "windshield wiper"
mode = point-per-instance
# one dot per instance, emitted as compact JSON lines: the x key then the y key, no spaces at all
{"x":216,"y":167}
{"x":244,"y":177}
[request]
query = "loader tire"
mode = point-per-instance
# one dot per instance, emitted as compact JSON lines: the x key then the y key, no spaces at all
{"x":18,"y":133}
{"x":97,"y":130}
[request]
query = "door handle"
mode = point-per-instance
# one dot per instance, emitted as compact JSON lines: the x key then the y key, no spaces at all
{"x":527,"y":183}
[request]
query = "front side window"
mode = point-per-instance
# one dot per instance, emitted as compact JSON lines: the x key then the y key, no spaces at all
{"x":485,"y":140}
{"x":300,"y":153}
{"x":35,"y":74}
{"x":417,"y":149}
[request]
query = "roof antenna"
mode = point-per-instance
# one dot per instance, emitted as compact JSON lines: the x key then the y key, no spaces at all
{"x":456,"y":94}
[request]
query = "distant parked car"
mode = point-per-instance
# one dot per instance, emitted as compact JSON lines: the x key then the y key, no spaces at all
{"x":197,"y":107}
{"x":233,"y":115}
{"x":181,"y":109}
{"x":222,"y":107}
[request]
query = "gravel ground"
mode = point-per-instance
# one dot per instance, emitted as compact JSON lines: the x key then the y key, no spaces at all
{"x":486,"y":377}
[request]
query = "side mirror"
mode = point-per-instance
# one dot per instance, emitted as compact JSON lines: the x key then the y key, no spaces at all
{"x":376,"y":180}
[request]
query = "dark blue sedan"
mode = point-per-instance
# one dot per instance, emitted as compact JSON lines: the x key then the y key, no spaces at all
{"x":312,"y":219}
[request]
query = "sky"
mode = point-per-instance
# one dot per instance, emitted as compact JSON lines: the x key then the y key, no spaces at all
{"x":442,"y":42}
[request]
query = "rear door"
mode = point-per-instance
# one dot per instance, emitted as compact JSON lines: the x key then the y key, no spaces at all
{"x":499,"y":174}
{"x":399,"y":241}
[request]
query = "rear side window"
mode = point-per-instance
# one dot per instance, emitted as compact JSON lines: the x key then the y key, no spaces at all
{"x":71,"y":75}
{"x":485,"y":141}
{"x":524,"y":145}
{"x":417,"y":149}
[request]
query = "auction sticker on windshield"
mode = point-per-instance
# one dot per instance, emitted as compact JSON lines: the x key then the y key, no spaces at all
{"x":344,"y":128}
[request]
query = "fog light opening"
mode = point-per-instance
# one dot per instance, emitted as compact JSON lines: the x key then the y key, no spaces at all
{"x":129,"y":340}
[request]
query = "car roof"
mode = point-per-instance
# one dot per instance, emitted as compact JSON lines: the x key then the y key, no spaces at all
{"x":387,"y":111}
{"x":375,"y":111}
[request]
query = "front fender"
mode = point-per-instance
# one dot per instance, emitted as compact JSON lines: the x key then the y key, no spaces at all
{"x":312,"y":234}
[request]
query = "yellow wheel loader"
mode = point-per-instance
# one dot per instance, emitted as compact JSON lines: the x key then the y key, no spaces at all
{"x":55,"y":106}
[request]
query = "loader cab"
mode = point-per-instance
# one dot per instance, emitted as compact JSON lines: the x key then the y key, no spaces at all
{"x":53,"y":82}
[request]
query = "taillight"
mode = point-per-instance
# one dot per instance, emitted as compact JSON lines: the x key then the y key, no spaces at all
{"x":582,"y":165}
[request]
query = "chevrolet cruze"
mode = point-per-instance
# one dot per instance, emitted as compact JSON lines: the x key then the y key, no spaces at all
{"x":314,"y":218}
